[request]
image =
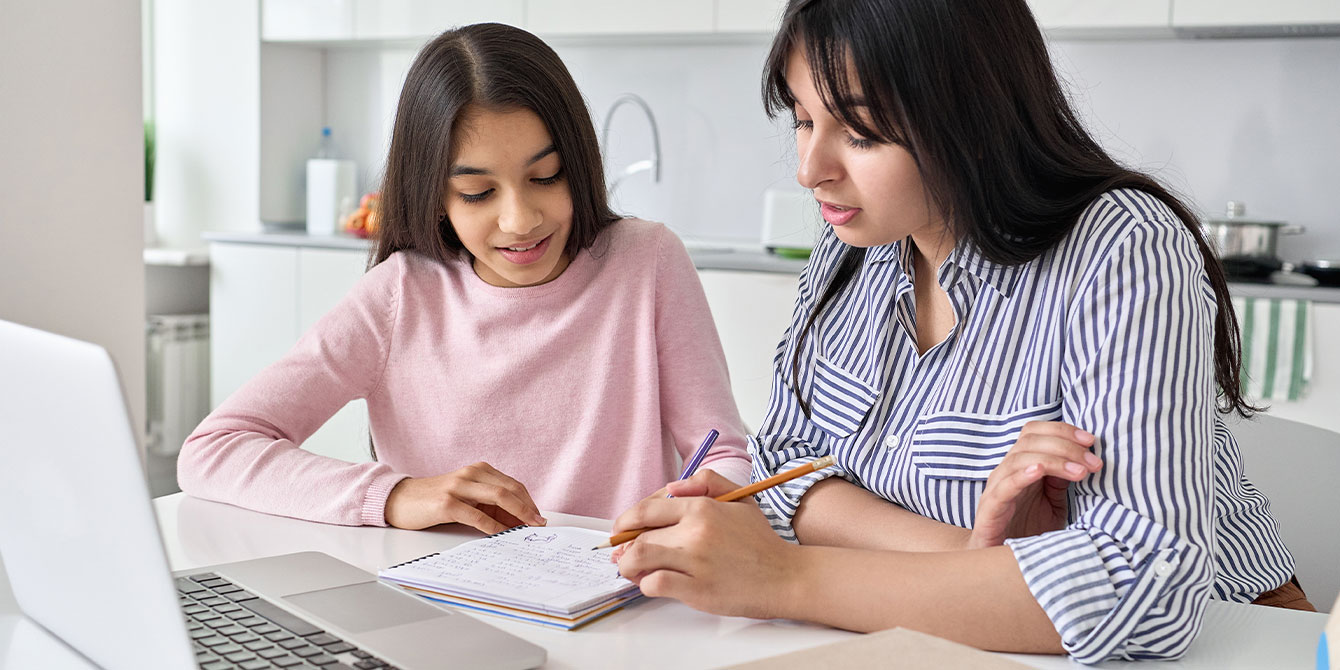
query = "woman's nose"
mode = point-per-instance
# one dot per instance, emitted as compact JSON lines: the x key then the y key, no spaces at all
{"x":817,"y":162}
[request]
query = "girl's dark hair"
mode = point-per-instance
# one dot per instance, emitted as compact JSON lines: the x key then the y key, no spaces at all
{"x":968,"y":88}
{"x":494,"y":66}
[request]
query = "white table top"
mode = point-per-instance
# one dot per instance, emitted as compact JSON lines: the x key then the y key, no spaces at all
{"x":651,"y":633}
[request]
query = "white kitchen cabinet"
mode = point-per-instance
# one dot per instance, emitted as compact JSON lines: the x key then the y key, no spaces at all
{"x":253,"y":299}
{"x":1115,"y":17}
{"x":307,"y":20}
{"x":751,"y":311}
{"x":619,"y":17}
{"x":749,"y":16}
{"x":1245,"y":13}
{"x":422,"y":19}
{"x":262,"y":299}
{"x":324,"y":277}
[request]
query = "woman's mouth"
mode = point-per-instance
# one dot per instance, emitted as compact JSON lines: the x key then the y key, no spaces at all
{"x":836,"y":214}
{"x":526,"y":252}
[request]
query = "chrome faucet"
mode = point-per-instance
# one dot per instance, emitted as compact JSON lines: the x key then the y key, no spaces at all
{"x":652,"y":164}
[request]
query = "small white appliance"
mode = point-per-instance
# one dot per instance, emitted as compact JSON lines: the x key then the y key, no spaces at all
{"x":791,"y":220}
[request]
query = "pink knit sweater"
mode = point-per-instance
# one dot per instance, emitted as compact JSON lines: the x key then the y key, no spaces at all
{"x":583,"y":389}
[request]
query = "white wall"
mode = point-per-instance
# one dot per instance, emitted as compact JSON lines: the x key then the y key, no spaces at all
{"x":71,"y":176}
{"x":207,"y":76}
{"x":1252,"y":120}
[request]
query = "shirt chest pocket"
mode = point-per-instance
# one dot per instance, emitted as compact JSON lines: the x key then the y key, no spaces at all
{"x":839,"y":400}
{"x":956,"y":445}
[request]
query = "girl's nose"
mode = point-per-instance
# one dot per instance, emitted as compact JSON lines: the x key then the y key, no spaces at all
{"x":518,"y":216}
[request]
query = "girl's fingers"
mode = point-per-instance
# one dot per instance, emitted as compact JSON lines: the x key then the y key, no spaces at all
{"x":487,"y":494}
{"x":487,"y":474}
{"x":475,"y":518}
{"x":647,"y":557}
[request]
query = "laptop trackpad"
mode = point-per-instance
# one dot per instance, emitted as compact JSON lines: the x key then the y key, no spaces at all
{"x":369,"y":606}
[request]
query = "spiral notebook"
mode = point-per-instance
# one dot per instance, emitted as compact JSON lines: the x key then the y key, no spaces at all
{"x":544,"y":575}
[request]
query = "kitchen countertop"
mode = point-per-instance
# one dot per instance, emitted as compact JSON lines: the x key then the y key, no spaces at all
{"x":736,"y":259}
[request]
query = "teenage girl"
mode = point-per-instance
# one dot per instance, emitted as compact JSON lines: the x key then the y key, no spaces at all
{"x":520,"y":347}
{"x":1013,"y":347}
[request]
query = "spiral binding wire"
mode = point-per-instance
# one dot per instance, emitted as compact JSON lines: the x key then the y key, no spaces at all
{"x":427,"y":556}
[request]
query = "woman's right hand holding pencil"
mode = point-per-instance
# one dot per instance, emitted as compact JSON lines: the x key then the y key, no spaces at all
{"x":693,"y":551}
{"x":476,"y":495}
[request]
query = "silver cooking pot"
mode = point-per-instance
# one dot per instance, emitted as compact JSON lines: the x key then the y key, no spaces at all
{"x":1234,"y":236}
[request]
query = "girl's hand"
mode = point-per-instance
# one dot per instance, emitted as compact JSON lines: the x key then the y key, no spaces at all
{"x":1026,"y":494}
{"x":716,"y":557}
{"x":475,"y":495}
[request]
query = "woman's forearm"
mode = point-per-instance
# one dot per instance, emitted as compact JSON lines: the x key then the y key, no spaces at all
{"x":975,"y":597}
{"x":838,"y":513}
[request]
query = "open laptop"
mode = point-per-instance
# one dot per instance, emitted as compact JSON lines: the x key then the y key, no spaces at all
{"x":81,"y":545}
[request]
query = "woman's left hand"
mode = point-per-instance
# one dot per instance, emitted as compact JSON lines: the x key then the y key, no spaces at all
{"x":717,"y":557}
{"x":1026,"y":494}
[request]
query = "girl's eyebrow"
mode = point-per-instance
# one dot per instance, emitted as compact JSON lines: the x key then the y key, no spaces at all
{"x":460,"y":170}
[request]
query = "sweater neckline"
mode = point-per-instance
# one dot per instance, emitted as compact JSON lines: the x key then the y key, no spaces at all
{"x":578,"y":270}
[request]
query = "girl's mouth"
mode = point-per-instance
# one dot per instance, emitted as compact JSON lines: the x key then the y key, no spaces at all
{"x":525,"y":254}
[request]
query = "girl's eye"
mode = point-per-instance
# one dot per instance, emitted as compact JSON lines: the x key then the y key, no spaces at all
{"x":802,"y":124}
{"x":476,"y":197}
{"x":546,"y":181}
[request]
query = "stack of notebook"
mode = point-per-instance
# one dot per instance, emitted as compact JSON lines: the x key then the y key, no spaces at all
{"x":544,"y":575}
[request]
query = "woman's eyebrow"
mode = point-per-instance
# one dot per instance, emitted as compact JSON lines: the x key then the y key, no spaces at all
{"x":461,"y":170}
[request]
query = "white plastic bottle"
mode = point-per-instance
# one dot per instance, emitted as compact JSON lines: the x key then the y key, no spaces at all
{"x":330,"y":188}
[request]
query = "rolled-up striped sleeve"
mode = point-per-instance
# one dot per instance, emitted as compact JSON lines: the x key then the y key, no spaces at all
{"x":1130,"y":575}
{"x":787,"y":438}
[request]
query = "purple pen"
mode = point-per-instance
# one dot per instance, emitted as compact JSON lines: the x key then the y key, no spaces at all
{"x":697,"y":459}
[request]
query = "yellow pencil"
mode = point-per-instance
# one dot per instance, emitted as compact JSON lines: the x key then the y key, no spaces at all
{"x":819,"y":464}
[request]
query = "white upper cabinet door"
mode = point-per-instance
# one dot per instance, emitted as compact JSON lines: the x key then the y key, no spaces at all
{"x":307,"y":20}
{"x":423,"y":19}
{"x":1194,"y":13}
{"x":1102,"y":16}
{"x":615,"y":17}
{"x":749,"y":16}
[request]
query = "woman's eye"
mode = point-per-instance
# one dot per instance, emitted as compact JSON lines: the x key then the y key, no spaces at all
{"x":553,"y":179}
{"x":802,"y":124}
{"x":476,"y":197}
{"x":859,"y":142}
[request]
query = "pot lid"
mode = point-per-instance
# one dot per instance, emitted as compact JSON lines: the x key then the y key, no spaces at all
{"x":1235,"y":214}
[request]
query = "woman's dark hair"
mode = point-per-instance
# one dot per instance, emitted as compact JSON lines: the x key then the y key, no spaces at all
{"x":493,"y":66}
{"x":968,"y":88}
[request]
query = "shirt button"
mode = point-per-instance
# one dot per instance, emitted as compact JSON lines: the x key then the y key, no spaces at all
{"x":891,"y":441}
{"x":1162,"y":568}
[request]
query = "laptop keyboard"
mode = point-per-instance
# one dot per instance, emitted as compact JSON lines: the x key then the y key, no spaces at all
{"x":232,"y":628}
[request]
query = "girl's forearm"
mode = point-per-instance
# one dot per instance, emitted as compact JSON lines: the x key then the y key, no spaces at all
{"x":974,"y":597}
{"x":838,"y":513}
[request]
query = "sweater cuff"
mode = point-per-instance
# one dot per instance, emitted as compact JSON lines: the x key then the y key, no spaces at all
{"x":374,"y":501}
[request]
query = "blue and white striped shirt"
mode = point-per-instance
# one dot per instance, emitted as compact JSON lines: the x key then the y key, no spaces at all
{"x":1112,"y":331}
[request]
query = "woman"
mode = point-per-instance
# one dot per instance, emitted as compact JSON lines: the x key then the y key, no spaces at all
{"x":1011,"y":345}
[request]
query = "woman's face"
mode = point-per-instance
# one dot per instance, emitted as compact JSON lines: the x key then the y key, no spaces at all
{"x":506,"y":197}
{"x":871,"y":193}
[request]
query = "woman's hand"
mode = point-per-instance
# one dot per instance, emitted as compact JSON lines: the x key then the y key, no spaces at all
{"x":716,"y":557}
{"x":1026,"y":494}
{"x":475,"y":495}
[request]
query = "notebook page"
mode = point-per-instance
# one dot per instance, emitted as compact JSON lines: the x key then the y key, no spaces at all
{"x":544,"y":569}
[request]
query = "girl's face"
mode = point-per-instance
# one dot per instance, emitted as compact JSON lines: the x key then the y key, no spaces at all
{"x":870,"y":192}
{"x":506,"y":197}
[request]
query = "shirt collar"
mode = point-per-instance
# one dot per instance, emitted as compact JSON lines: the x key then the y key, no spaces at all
{"x":1001,"y":277}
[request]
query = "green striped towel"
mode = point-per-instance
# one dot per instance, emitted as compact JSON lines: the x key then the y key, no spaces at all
{"x":1276,"y":347}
